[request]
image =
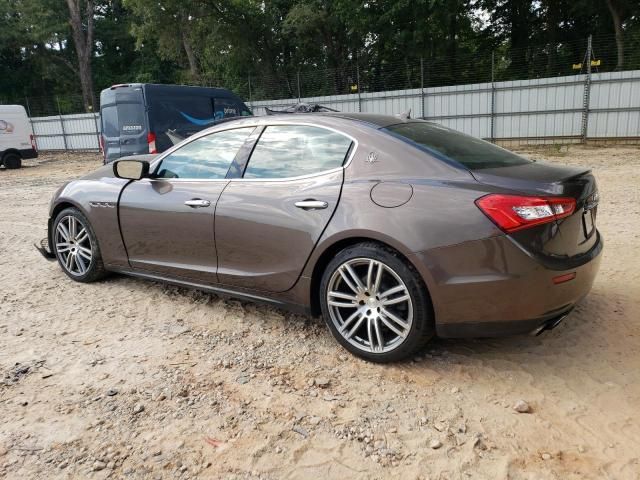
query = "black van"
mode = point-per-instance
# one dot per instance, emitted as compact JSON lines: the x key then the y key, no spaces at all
{"x":138,"y":118}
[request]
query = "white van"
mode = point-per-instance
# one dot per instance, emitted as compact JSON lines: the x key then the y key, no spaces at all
{"x":16,"y":136}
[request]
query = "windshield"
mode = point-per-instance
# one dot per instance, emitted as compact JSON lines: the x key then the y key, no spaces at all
{"x":471,"y":152}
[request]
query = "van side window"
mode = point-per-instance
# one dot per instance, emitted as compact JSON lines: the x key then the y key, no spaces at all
{"x":110,"y":121}
{"x":207,"y":157}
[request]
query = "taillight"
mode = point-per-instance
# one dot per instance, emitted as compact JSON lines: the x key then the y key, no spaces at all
{"x":33,"y":142}
{"x":151,"y":140}
{"x":515,"y":212}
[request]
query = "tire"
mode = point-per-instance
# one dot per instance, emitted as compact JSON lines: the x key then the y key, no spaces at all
{"x":12,"y":161}
{"x":80,"y":243}
{"x":382,"y":324}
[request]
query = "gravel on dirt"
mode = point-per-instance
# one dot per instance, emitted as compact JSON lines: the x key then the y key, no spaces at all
{"x":132,"y":379}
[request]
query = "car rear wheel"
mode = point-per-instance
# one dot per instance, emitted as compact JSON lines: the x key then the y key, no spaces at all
{"x":375,"y":303}
{"x":12,"y":161}
{"x":76,"y":246}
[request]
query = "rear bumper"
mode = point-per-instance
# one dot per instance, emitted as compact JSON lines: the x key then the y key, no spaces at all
{"x":491,"y":287}
{"x":28,"y":153}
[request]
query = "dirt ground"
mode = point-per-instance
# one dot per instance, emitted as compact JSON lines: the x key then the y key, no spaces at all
{"x":132,"y":379}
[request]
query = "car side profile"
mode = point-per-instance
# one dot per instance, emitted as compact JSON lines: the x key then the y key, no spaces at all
{"x":394,"y":230}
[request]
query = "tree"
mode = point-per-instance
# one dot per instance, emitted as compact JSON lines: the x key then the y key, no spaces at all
{"x":81,"y":19}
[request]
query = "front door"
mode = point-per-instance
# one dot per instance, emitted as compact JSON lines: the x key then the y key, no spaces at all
{"x":167,"y":221}
{"x":268,"y":222}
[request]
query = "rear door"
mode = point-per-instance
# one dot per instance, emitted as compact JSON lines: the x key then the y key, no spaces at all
{"x":110,"y":132}
{"x":133,"y":126}
{"x":268,"y":222}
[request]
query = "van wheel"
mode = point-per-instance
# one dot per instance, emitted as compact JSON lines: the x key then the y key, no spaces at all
{"x":12,"y":161}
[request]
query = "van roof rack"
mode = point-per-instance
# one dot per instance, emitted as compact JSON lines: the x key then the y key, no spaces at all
{"x":301,"y":108}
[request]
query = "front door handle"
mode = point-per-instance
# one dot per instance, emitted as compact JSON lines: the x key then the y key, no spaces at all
{"x":197,"y":203}
{"x":311,"y":204}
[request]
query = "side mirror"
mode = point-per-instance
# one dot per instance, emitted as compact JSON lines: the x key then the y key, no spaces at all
{"x":131,"y":169}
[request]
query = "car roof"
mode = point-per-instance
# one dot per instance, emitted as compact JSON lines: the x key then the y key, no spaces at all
{"x":381,"y":121}
{"x":374,"y":120}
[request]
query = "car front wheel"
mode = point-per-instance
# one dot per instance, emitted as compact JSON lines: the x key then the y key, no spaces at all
{"x":76,"y":246}
{"x":375,"y":303}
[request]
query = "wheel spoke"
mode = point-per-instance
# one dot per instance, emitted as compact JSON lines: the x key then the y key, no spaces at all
{"x":63,"y":247}
{"x":82,"y":235}
{"x":80,"y":264}
{"x":344,"y":296}
{"x":62,"y":230}
{"x":391,"y":291}
{"x":387,"y":314}
{"x":355,"y":327}
{"x":392,"y":327}
{"x":393,"y":301}
{"x":376,"y":285}
{"x":370,"y":274}
{"x":84,"y":253}
{"x":333,"y":303}
{"x":354,"y":276}
{"x":370,"y":334}
{"x":376,"y":326}
{"x":72,"y":227}
{"x":346,"y":280}
{"x":68,"y":261}
{"x":349,"y":320}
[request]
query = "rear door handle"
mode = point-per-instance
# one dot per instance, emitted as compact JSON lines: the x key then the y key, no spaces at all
{"x":311,"y":204}
{"x":197,"y":203}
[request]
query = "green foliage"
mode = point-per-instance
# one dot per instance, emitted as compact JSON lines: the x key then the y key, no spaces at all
{"x":273,"y":49}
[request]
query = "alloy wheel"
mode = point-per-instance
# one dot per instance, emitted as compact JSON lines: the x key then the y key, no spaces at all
{"x":370,"y":305}
{"x":73,"y":245}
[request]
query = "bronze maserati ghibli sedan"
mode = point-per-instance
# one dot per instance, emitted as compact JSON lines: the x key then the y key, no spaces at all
{"x":394,"y":230}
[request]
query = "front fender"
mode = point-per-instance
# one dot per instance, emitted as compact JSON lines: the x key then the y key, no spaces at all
{"x":98,"y":200}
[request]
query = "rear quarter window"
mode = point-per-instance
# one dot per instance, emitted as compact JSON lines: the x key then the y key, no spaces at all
{"x":471,"y":152}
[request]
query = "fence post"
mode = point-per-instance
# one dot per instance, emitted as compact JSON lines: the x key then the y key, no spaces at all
{"x":64,"y":135}
{"x":358,"y":83}
{"x":298,"y":80}
{"x":422,"y":86}
{"x":493,"y":97}
{"x":250,"y":102}
{"x":95,"y":121}
{"x":587,"y":94}
{"x":35,"y":139}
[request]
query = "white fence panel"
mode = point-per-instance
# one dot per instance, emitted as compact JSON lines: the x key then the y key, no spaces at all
{"x":539,"y":110}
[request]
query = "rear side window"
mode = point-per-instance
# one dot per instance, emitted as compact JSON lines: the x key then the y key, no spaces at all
{"x":471,"y":152}
{"x":109,"y":117}
{"x":207,"y":157}
{"x":295,"y":150}
{"x":131,"y":118}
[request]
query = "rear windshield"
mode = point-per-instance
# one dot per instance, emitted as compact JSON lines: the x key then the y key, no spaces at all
{"x":471,"y":152}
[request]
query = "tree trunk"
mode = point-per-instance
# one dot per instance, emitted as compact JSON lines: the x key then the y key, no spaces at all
{"x":193,"y":63}
{"x":616,"y":15}
{"x":83,"y":42}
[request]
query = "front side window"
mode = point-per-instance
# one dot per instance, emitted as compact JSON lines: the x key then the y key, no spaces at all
{"x":207,"y":157}
{"x":294,"y":150}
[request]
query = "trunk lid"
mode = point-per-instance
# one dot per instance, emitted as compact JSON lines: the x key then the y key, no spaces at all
{"x":568,"y":237}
